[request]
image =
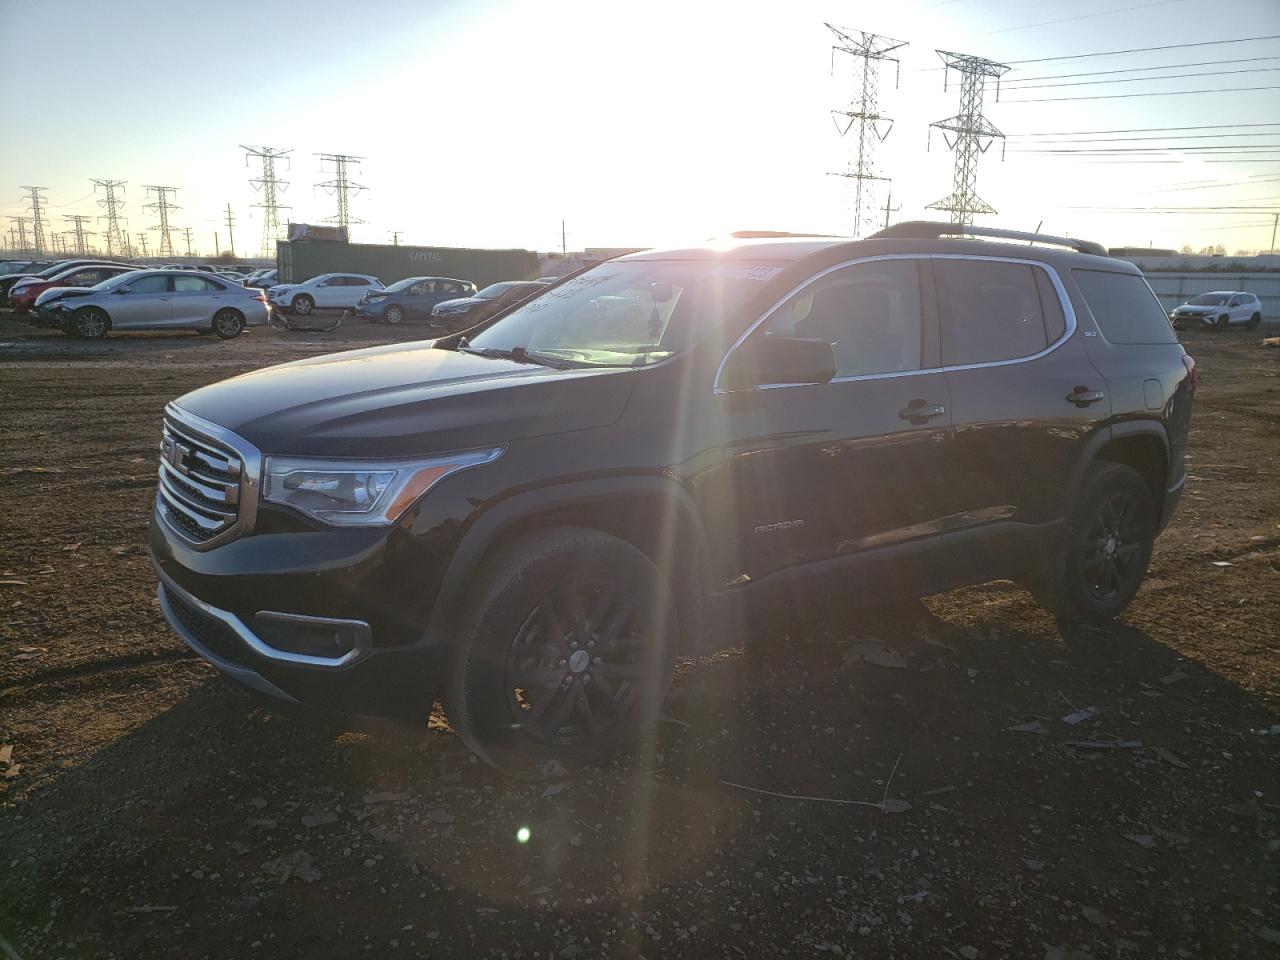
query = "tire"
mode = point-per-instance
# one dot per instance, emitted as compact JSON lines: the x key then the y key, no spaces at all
{"x":524,"y":692}
{"x":1223,"y":322}
{"x":1253,"y":322}
{"x":302,"y":305}
{"x":228,"y":324}
{"x":1099,"y":565}
{"x":393,"y":314}
{"x":90,"y":323}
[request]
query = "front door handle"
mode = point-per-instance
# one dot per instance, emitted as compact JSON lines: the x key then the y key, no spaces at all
{"x":1083,"y":396}
{"x":921,"y":411}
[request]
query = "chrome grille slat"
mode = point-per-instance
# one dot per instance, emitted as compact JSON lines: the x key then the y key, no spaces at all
{"x":173,"y":486}
{"x":200,"y":483}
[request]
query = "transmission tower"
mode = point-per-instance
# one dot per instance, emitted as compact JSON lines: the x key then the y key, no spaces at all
{"x":269,"y":184}
{"x":186,"y":235}
{"x":22,"y":233}
{"x":340,"y":186}
{"x":78,"y":221}
{"x":142,"y":240}
{"x":862,"y":111}
{"x":163,"y":205}
{"x":37,"y":218}
{"x":968,"y":133}
{"x":111,"y":203}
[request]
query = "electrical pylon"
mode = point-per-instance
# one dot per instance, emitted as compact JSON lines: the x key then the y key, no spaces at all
{"x":973,"y":133}
{"x":340,"y":186}
{"x":37,"y":218}
{"x":863,"y":112}
{"x":22,"y":234}
{"x":186,"y":235}
{"x":111,"y":203}
{"x":78,"y":221}
{"x":269,"y":184}
{"x":163,"y":206}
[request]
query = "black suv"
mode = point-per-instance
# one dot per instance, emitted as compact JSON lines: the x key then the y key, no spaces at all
{"x":531,"y":520}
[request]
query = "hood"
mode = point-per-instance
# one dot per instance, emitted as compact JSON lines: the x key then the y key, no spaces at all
{"x":406,"y":400}
{"x":62,"y":293}
{"x":459,"y":303}
{"x":14,"y":277}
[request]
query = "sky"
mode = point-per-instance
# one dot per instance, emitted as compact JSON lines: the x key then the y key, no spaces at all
{"x":488,"y":122}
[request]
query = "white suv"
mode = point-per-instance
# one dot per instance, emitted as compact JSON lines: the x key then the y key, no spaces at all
{"x":1218,"y":310}
{"x":327,"y":291}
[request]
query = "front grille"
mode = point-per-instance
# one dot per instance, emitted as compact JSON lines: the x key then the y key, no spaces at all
{"x":210,"y":632}
{"x":199,"y":489}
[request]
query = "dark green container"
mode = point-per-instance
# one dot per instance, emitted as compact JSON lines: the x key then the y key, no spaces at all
{"x":300,"y":260}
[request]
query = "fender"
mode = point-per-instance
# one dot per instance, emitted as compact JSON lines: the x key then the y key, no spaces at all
{"x":1116,"y":430}
{"x":488,"y":530}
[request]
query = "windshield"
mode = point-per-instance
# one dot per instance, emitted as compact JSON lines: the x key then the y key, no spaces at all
{"x":627,"y":313}
{"x":115,"y":281}
{"x":494,"y":290}
{"x":1208,"y":300}
{"x":402,"y":285}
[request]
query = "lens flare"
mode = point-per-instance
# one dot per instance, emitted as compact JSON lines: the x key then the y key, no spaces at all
{"x":523,"y":835}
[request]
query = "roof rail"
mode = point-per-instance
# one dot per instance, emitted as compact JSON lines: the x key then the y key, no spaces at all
{"x":931,"y":230}
{"x":776,"y":235}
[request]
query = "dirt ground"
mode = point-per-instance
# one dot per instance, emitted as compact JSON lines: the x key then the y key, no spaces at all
{"x":147,"y":810}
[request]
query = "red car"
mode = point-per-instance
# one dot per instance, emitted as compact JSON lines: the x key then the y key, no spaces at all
{"x":22,"y":295}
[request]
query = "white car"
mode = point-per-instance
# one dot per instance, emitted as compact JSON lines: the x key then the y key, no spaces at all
{"x":1218,"y":309}
{"x":327,"y":291}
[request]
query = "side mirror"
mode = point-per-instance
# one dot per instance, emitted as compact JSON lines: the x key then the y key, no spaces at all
{"x":778,"y":359}
{"x":119,"y":290}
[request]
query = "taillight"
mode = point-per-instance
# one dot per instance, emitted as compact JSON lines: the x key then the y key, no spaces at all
{"x":1190,"y":363}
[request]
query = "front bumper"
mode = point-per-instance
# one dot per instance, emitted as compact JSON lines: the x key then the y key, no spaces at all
{"x":1193,"y":321}
{"x":1172,"y":496}
{"x":371,"y":311}
{"x":212,"y":599}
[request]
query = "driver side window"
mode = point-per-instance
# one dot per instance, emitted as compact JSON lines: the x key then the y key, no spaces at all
{"x":869,"y":312}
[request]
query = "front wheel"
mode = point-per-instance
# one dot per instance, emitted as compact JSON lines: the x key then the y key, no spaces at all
{"x":1223,"y":321}
{"x":565,"y":652}
{"x":302,"y":305}
{"x":1254,"y":321}
{"x":394,"y":314}
{"x":1098,"y":567}
{"x":90,"y":323}
{"x":228,"y":324}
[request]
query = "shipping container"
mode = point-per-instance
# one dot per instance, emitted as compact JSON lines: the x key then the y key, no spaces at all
{"x":300,"y":260}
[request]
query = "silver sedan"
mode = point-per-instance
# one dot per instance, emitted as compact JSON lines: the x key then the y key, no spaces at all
{"x":163,"y":300}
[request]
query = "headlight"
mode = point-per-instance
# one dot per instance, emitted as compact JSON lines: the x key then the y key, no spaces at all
{"x":369,"y":493}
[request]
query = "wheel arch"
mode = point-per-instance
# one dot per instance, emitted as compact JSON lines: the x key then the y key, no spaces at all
{"x":1140,"y":444}
{"x":653,"y":514}
{"x":93,"y":306}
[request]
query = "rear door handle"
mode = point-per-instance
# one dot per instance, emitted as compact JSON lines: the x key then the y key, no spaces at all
{"x":1083,"y":396}
{"x":921,"y":411}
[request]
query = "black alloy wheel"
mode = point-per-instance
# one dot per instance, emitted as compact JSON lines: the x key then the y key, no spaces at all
{"x":1254,"y":321}
{"x":1114,"y":556}
{"x":573,"y":667}
{"x":1223,"y":321}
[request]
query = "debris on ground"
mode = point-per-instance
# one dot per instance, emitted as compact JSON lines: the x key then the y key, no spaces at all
{"x":1080,"y":716}
{"x":297,"y":864}
{"x":874,"y":651}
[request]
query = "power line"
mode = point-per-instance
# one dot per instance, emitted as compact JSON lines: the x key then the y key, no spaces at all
{"x":111,"y":203}
{"x":1216,"y":186}
{"x":863,"y":111}
{"x":1197,"y":136}
{"x":1161,"y":93}
{"x":1163,"y":66}
{"x":973,"y":132}
{"x":1170,"y":46}
{"x":269,"y":184}
{"x":1082,"y":16}
{"x":1237,"y":149}
{"x":1090,"y":133}
{"x":1172,"y":76}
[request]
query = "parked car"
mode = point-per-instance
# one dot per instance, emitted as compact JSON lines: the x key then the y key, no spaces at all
{"x":327,"y":291}
{"x":412,"y":299}
{"x":264,"y":279}
{"x":162,"y":300}
{"x":1218,"y":310}
{"x":21,"y":267}
{"x":493,"y":299}
{"x":534,"y":519}
{"x":34,"y":270}
{"x":23,"y":294}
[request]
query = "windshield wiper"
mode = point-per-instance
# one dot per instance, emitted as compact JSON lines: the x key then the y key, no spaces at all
{"x":519,"y":355}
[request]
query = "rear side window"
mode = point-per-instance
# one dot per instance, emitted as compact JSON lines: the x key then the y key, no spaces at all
{"x":1124,"y":306}
{"x":992,"y":311}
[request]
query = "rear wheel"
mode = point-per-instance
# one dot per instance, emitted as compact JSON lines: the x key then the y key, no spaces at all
{"x":394,"y":314}
{"x":1254,"y":321}
{"x":90,"y":323}
{"x":1107,"y":545}
{"x":565,"y":652}
{"x":302,"y":305}
{"x":228,"y":323}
